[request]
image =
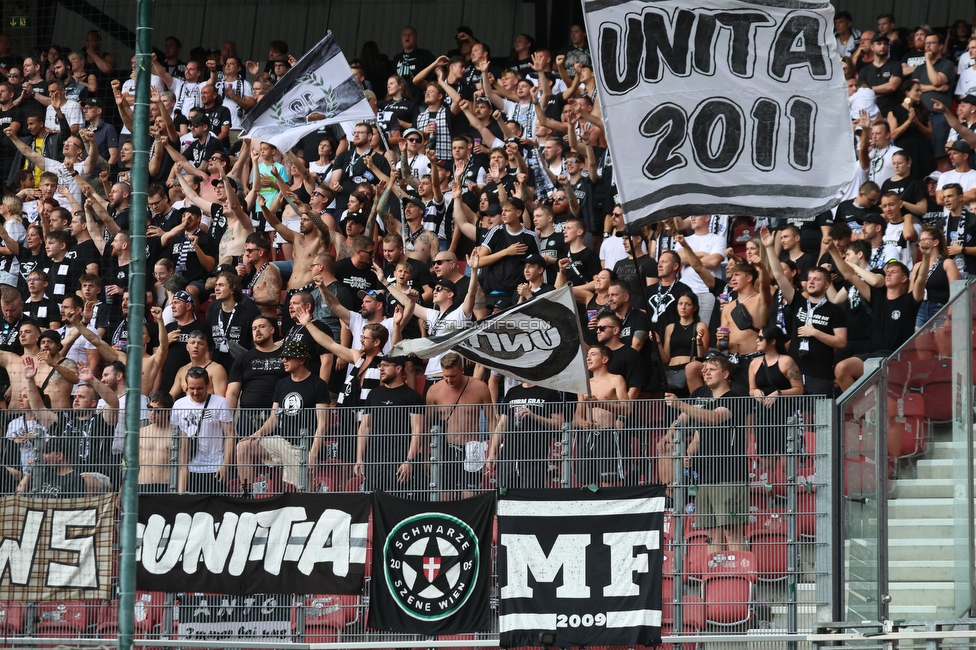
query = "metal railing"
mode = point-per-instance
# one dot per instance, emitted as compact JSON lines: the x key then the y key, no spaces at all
{"x":906,"y":458}
{"x":748,"y":480}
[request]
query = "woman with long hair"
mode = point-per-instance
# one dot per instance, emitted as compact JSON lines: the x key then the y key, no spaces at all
{"x":684,"y":342}
{"x":76,"y":62}
{"x":597,"y":302}
{"x":940,"y":269}
{"x":399,"y":109}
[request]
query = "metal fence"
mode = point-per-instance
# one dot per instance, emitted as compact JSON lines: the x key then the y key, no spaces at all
{"x":748,"y":535}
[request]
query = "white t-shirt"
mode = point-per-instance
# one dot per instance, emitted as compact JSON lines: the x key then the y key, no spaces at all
{"x":28,"y":448}
{"x":77,"y":350}
{"x":863,"y":99}
{"x":880,"y":168}
{"x":452,"y":321}
{"x":64,"y":178}
{"x":966,"y":85}
{"x":243,"y":89}
{"x":965,"y":62}
{"x":209,"y":432}
{"x":966,"y":179}
{"x":892,"y":235}
{"x":72,"y":113}
{"x":612,"y":251}
{"x":356,"y":325}
{"x":187,"y":95}
{"x":708,"y":244}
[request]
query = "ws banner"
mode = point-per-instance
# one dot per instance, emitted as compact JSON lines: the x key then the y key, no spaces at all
{"x":431,"y":565}
{"x":56,"y":549}
{"x":584,"y":565}
{"x":727,"y":107}
{"x":293,"y":543}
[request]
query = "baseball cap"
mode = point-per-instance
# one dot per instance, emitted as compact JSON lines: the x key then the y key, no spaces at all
{"x":389,"y":358}
{"x":233,"y":181}
{"x":969,"y":99}
{"x":493,"y":209}
{"x":293,"y":349}
{"x":411,"y":131}
{"x":192,"y":209}
{"x":199,"y":120}
{"x":416,"y":200}
{"x":876,"y":219}
{"x":53,"y":335}
{"x":372,"y":293}
{"x":94,"y":102}
{"x":961,"y":146}
{"x":879,"y":38}
{"x":934,"y":176}
{"x":444,"y":284}
{"x":535,"y":258}
{"x":518,"y":203}
{"x":183,"y":296}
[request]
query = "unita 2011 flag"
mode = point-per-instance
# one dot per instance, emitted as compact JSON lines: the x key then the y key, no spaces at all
{"x":431,"y":565}
{"x":583,"y":565}
{"x":537,"y":341}
{"x":722,"y":107}
{"x":319,"y":90}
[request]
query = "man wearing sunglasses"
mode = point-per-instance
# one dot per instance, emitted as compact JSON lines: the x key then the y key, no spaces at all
{"x":207,"y":436}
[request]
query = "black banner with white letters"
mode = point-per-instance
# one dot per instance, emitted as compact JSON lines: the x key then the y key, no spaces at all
{"x":292,"y":543}
{"x":431,"y":565}
{"x":584,"y":565}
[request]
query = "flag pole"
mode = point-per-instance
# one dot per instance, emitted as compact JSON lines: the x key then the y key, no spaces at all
{"x":583,"y":346}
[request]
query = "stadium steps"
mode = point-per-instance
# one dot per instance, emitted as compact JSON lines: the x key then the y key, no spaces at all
{"x":921,"y":529}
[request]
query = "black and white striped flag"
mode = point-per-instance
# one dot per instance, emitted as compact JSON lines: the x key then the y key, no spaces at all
{"x":584,"y":565}
{"x":318,"y":90}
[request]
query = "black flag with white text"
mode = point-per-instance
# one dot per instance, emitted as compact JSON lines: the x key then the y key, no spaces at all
{"x":431,"y":565}
{"x":584,"y":565}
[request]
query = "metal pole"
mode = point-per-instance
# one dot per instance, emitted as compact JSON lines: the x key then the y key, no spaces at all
{"x":137,"y":310}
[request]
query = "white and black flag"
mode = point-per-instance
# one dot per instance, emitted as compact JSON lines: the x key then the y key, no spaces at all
{"x":318,"y":90}
{"x":289,"y":544}
{"x":583,"y":565}
{"x":722,"y":106}
{"x":537,"y":341}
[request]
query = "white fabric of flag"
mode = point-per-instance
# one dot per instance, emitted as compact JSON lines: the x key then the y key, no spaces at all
{"x":536,"y":341}
{"x":722,"y":106}
{"x":317,"y":91}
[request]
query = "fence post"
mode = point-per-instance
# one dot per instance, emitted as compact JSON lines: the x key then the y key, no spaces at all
{"x":565,"y":452}
{"x":679,"y":494}
{"x":436,"y":449}
{"x":794,"y":432}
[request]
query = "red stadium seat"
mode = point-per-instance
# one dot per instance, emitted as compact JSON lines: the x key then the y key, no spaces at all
{"x":11,"y":618}
{"x":65,"y":618}
{"x":806,"y":514}
{"x":727,"y":587}
{"x":768,"y":540}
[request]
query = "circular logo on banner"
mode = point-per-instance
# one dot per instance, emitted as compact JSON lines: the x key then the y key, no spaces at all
{"x":431,"y":562}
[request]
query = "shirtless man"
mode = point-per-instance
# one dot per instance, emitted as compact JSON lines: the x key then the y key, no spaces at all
{"x":196,"y":347}
{"x":155,"y":446}
{"x":259,"y":276}
{"x":311,"y":239}
{"x":151,"y":363}
{"x":55,"y":374}
{"x":419,"y":243}
{"x":597,"y":421}
{"x":746,"y":316}
{"x":461,"y":400}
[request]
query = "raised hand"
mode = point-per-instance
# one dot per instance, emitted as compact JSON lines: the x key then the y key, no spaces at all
{"x":766,"y":237}
{"x":30,"y":368}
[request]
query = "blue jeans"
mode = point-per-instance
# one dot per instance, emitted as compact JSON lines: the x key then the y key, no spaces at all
{"x":940,"y":134}
{"x":926,"y":310}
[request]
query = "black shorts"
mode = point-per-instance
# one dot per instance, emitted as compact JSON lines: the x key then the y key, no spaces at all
{"x":600,"y":457}
{"x":455,"y":475}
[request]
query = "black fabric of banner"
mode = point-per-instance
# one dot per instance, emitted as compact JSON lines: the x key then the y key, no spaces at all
{"x":584,"y":565}
{"x":292,"y":543}
{"x":431,"y":565}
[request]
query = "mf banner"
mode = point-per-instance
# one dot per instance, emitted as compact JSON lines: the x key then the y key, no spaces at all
{"x":293,"y":543}
{"x":431,"y":565}
{"x":56,"y":549}
{"x":584,"y":565}
{"x":722,"y":107}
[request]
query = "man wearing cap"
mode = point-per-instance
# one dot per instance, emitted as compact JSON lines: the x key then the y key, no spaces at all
{"x":388,"y":441}
{"x":177,"y":333}
{"x":884,"y":75}
{"x":535,"y":283}
{"x":413,"y":162}
{"x":204,"y":143}
{"x":961,"y":173}
{"x":503,"y":254}
{"x":106,"y":137}
{"x":193,"y":251}
{"x":297,"y":422}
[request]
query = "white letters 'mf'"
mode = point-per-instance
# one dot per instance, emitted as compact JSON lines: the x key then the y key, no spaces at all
{"x":623,"y":561}
{"x":524,"y":554}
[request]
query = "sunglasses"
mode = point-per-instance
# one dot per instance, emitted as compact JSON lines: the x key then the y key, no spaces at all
{"x":440,"y":262}
{"x":603,"y":328}
{"x":414,"y":140}
{"x":318,"y":194}
{"x":196,"y":371}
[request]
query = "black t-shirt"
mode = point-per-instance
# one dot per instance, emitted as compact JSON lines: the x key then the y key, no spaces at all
{"x":43,"y":311}
{"x":226,"y":328}
{"x":877,"y":76}
{"x":355,"y":171}
{"x":507,"y":273}
{"x":627,"y":363}
{"x":62,"y":278}
{"x":177,"y":356}
{"x":192,"y":268}
{"x":91,"y":441}
{"x":197,"y":153}
{"x":84,"y":254}
{"x":908,"y":188}
{"x":355,"y":279}
{"x":7,"y":148}
{"x":395,"y":111}
{"x":811,"y":235}
{"x":296,"y":402}
{"x":853,"y":214}
{"x":892,"y":321}
{"x":528,"y":439}
{"x":818,"y":358}
{"x":662,"y":302}
{"x":389,"y":428}
{"x":635,"y":321}
{"x":636,"y":278}
{"x":218,"y":116}
{"x":721,"y":456}
{"x":408,"y":64}
{"x":583,"y":267}
{"x":259,"y":373}
{"x":554,"y":246}
{"x":803,"y":263}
